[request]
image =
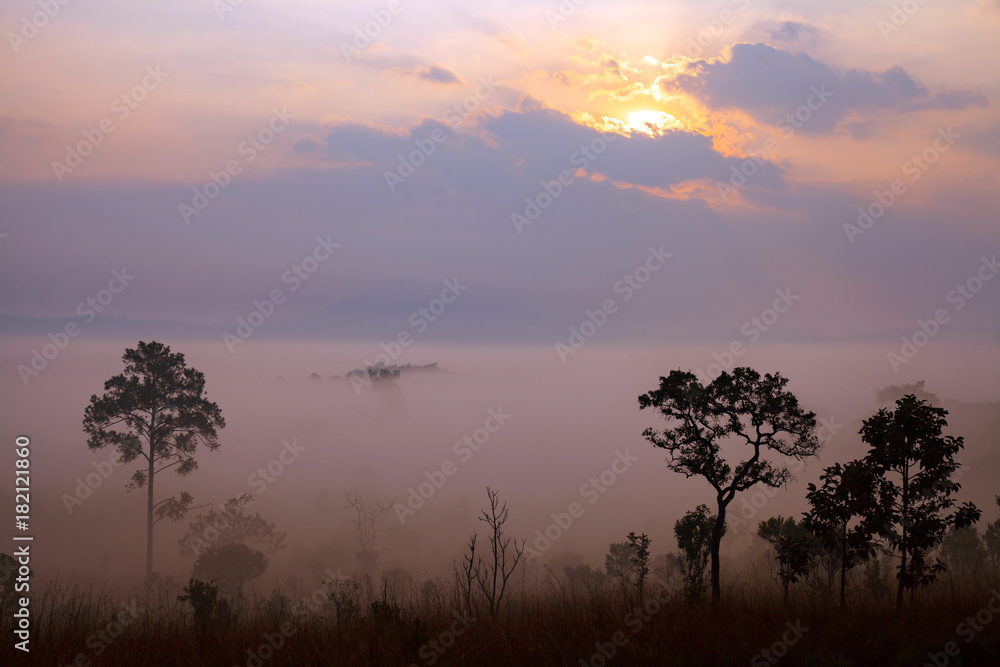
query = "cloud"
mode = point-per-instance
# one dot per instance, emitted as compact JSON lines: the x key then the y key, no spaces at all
{"x":435,"y":73}
{"x":792,"y":31}
{"x":769,"y":83}
{"x":537,"y":143}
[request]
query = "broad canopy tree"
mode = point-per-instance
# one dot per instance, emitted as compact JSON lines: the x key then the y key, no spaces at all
{"x":232,"y":525}
{"x":743,"y":408}
{"x":915,"y":461}
{"x":794,"y":549}
{"x":155,"y":412}
{"x":841,"y":515}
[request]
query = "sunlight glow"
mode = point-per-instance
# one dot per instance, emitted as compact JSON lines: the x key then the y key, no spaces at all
{"x":651,"y":122}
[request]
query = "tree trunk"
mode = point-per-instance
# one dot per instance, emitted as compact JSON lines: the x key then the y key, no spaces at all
{"x":903,"y":547}
{"x":149,"y":498}
{"x":720,"y":522}
{"x":149,"y":523}
{"x":843,"y":566}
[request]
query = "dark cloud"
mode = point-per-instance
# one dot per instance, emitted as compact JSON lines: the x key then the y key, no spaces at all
{"x":437,"y":74}
{"x":539,"y":143}
{"x":769,"y":83}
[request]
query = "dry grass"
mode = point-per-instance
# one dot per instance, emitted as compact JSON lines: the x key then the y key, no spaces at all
{"x":552,"y":625}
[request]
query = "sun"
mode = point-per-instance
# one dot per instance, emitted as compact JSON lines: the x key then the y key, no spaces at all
{"x":651,"y":122}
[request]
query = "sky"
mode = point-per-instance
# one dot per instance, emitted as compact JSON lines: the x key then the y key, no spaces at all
{"x":281,"y":188}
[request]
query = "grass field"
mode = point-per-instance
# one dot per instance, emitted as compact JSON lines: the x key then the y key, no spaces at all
{"x":552,"y":624}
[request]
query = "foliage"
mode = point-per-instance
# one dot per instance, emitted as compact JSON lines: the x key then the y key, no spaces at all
{"x":232,"y":526}
{"x":620,"y":564}
{"x":232,"y":565}
{"x":889,"y":395}
{"x":744,"y":407}
{"x":915,"y":461}
{"x":694,"y":541}
{"x":992,"y":540}
{"x":964,"y":552}
{"x":203,"y":596}
{"x":640,"y":560}
{"x":155,"y":412}
{"x":840,"y":515}
{"x":793,"y":546}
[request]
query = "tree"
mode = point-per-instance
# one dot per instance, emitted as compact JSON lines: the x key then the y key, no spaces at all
{"x":992,"y":540}
{"x":840,"y":515}
{"x":742,"y":407}
{"x":155,"y":410}
{"x":964,"y":552}
{"x":640,"y":560}
{"x":232,"y":526}
{"x":492,"y":575}
{"x":204,"y":599}
{"x":619,"y":563}
{"x":889,"y":395}
{"x":8,"y":583}
{"x":916,"y":461}
{"x":231,"y":566}
{"x":368,"y":526}
{"x":694,"y":540}
{"x":793,"y":546}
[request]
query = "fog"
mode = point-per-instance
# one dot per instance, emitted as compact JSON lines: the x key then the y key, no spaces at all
{"x":563,"y":424}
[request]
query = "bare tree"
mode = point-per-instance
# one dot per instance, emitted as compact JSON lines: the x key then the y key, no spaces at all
{"x":368,"y":525}
{"x":493,"y":576}
{"x":468,"y":573}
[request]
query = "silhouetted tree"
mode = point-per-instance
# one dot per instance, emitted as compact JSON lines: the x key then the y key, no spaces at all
{"x":157,"y":410}
{"x":640,"y":560}
{"x":231,"y":566}
{"x":8,"y":581}
{"x":203,"y":597}
{"x":493,"y":574}
{"x":992,"y":540}
{"x":694,"y":540}
{"x":840,"y":515}
{"x":793,"y":546}
{"x":744,"y":407}
{"x":964,"y":552}
{"x":232,"y":525}
{"x":583,"y":577}
{"x":369,"y":525}
{"x":916,"y":462}
{"x":889,"y":395}
{"x":619,"y":563}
